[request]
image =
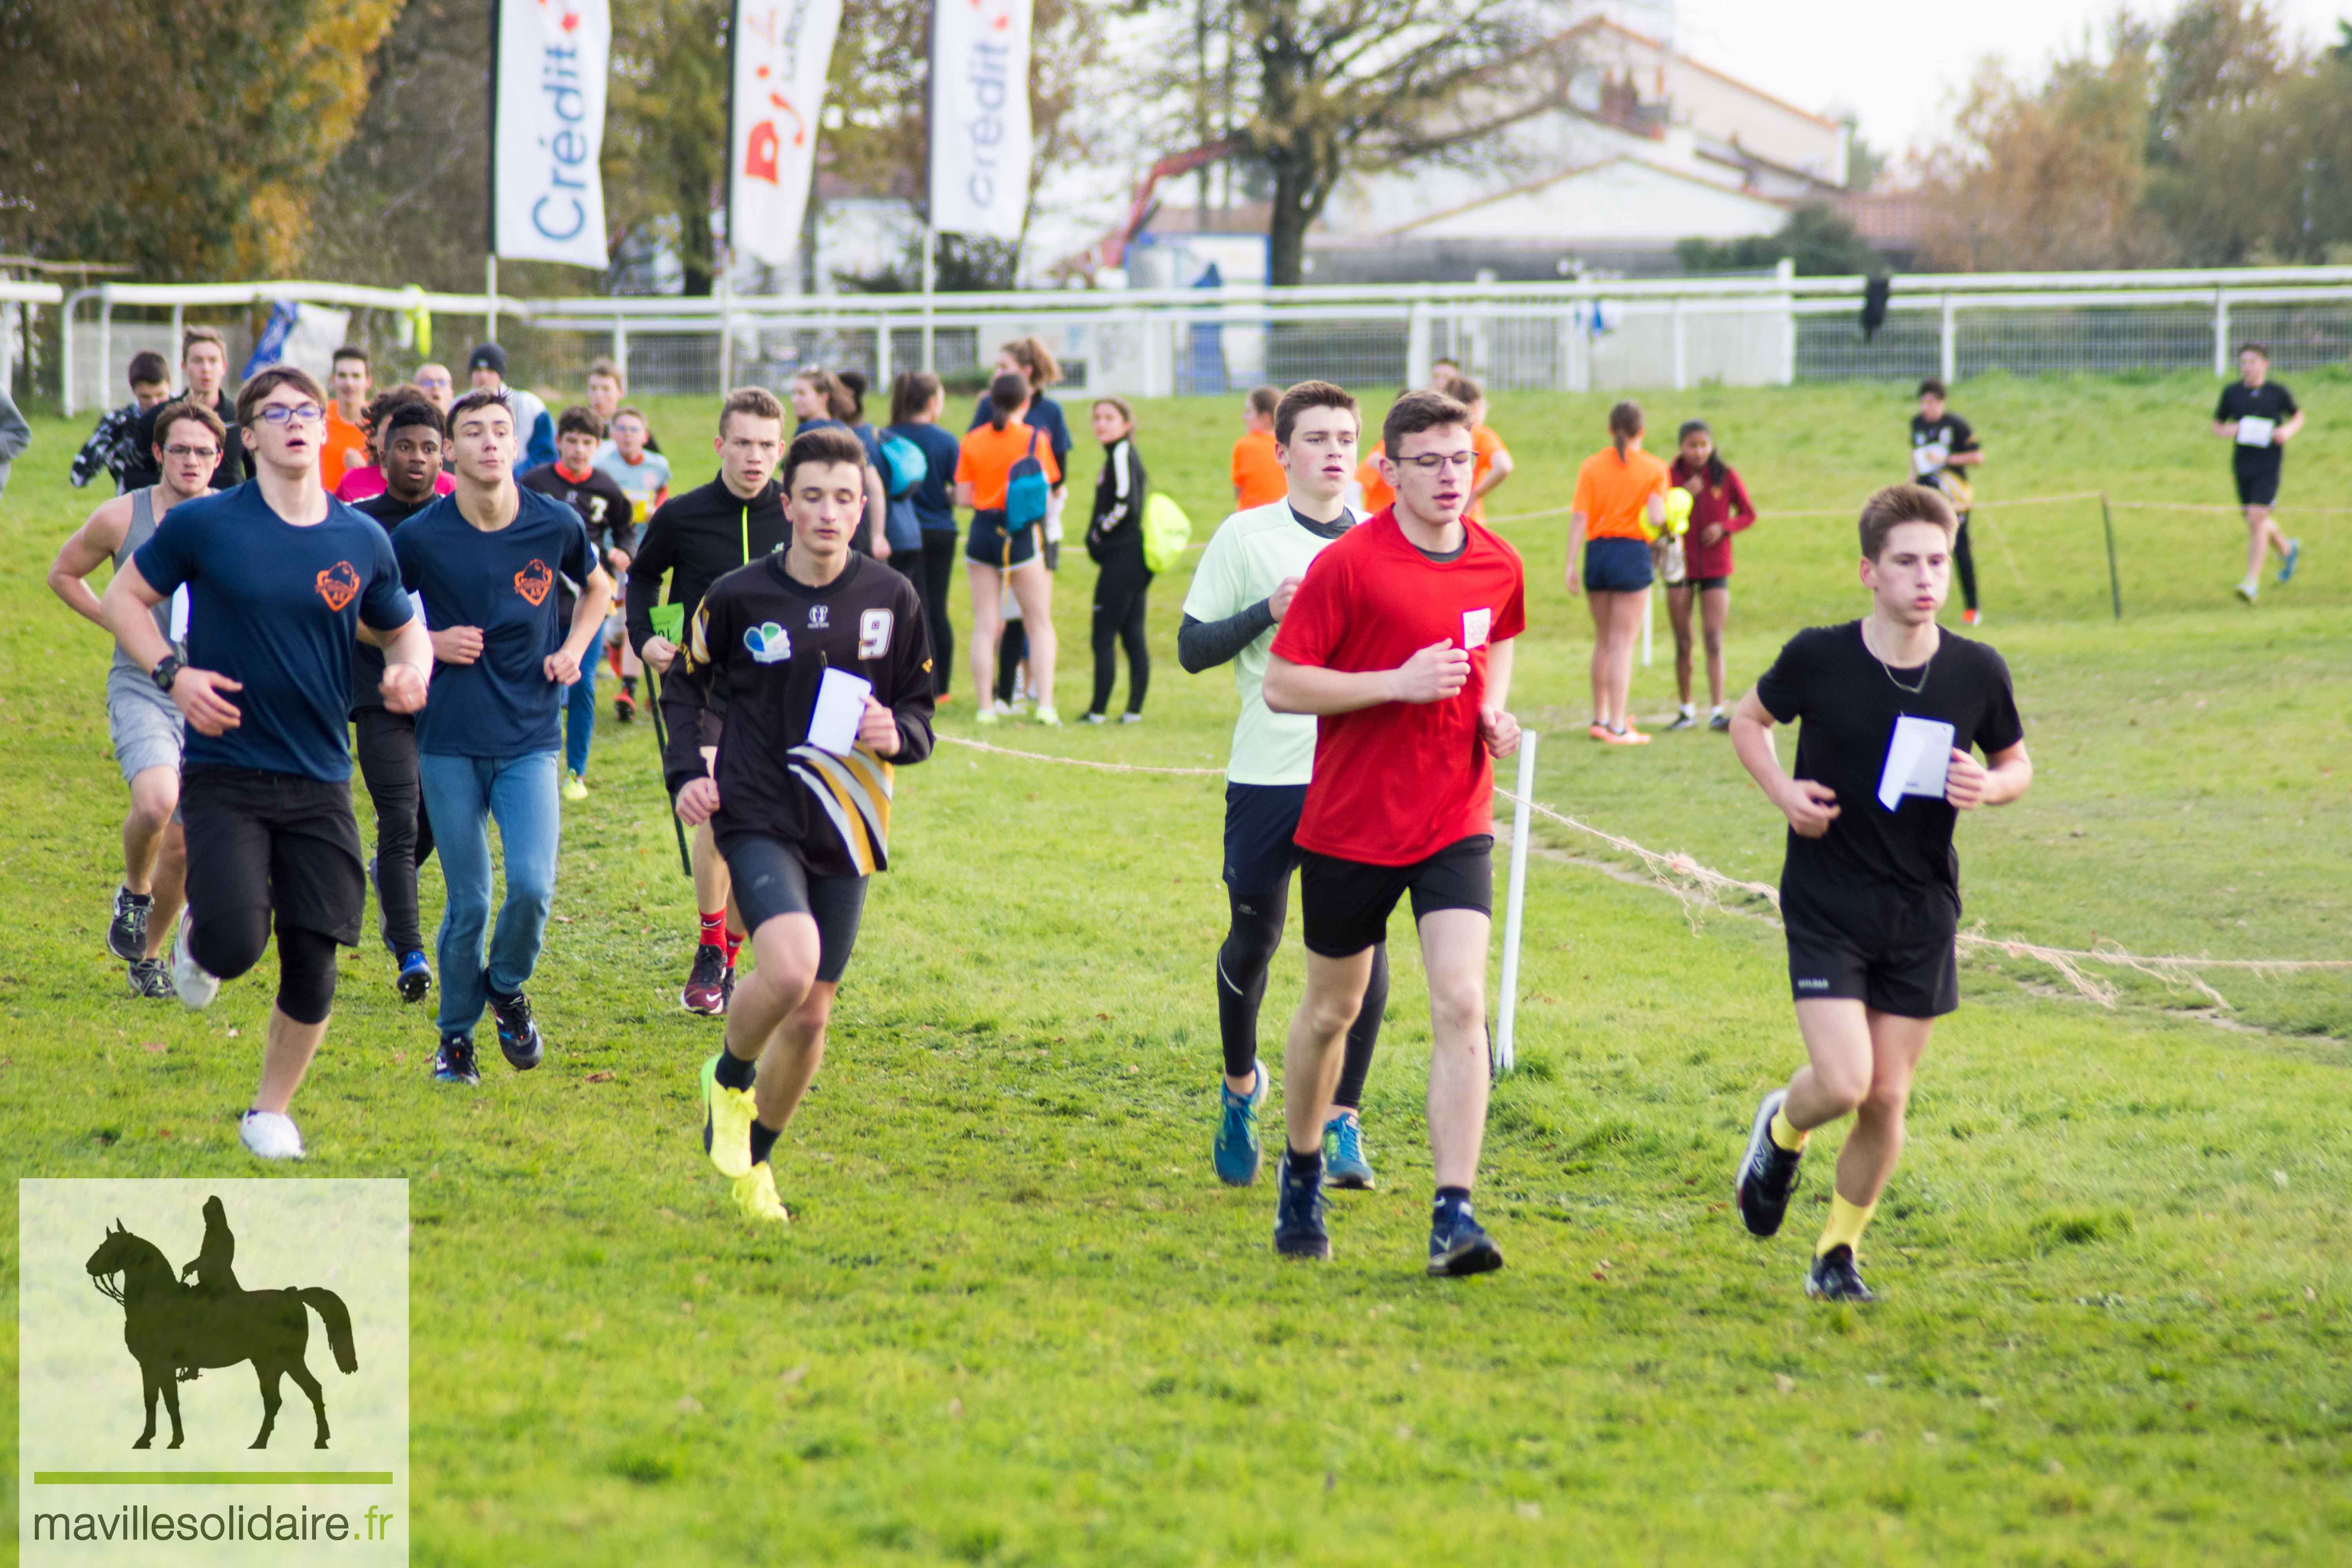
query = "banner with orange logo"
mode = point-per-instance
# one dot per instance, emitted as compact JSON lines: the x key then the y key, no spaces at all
{"x":783,"y":49}
{"x":547,"y":132}
{"x":980,"y":117}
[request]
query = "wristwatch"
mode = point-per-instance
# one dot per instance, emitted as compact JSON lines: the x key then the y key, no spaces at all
{"x":166,"y":670}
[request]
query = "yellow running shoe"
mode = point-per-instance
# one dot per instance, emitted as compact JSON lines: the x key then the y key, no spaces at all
{"x":726,"y":1122}
{"x":755,"y":1194}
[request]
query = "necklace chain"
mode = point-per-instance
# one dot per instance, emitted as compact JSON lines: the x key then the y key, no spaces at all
{"x":1925,"y":669}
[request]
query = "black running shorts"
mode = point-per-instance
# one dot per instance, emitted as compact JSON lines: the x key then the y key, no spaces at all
{"x":1345,"y":904}
{"x":1259,"y":822}
{"x":771,"y":879}
{"x":2258,"y":481}
{"x":1892,"y":950}
{"x":259,"y":840}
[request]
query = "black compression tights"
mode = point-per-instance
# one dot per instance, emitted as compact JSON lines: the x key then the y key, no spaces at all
{"x":229,"y":945}
{"x":1964,"y":561}
{"x":1249,"y":948}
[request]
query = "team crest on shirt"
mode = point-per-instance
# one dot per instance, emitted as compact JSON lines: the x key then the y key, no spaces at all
{"x":873,"y":634}
{"x":533,"y":581}
{"x":820,"y":616}
{"x":338,"y":584}
{"x":767,"y":643}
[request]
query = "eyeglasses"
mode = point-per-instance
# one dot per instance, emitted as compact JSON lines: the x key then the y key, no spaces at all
{"x":208,"y":453}
{"x":301,"y":412}
{"x":1431,"y":462}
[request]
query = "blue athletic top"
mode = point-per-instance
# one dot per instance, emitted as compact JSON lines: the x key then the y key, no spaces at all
{"x":503,"y":583}
{"x":276,"y":607}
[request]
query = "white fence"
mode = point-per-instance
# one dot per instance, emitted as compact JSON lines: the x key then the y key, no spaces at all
{"x":1583,"y":335}
{"x":17,"y":300}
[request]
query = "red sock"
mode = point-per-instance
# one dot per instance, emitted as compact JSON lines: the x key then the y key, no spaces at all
{"x":613,"y":658}
{"x":734,"y":946}
{"x":714,"y":929}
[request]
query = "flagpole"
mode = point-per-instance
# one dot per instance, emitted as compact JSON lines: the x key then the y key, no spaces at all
{"x":930,"y":238}
{"x":491,"y":273}
{"x":726,"y":255}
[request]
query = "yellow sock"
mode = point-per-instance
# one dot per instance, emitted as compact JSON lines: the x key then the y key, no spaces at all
{"x":1785,"y":1133}
{"x":1846,"y":1223}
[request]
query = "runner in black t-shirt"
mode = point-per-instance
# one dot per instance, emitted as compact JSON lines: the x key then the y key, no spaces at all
{"x":1871,"y":893}
{"x":574,"y":479}
{"x":383,"y":742}
{"x":1942,"y":444}
{"x":802,"y":814}
{"x":2258,"y":453}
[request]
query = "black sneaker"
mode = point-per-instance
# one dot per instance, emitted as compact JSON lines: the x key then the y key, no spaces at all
{"x":126,"y":934}
{"x":519,"y":1039}
{"x":726,"y":989}
{"x":705,"y":992}
{"x":454,"y":1062}
{"x":1833,"y":1277}
{"x":1464,"y":1247}
{"x":151,"y":978}
{"x":1767,"y":1173}
{"x":1298,"y":1207}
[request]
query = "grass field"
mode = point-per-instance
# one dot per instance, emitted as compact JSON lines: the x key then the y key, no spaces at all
{"x":1017,"y":1320}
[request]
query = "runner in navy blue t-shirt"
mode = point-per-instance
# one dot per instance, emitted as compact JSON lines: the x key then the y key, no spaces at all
{"x":915,"y":403}
{"x":282,"y":579}
{"x":486,"y":562}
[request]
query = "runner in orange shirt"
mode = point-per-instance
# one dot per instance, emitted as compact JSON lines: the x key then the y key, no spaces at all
{"x":1257,"y":477}
{"x":1494,"y":458}
{"x":353,"y":382}
{"x":1609,"y":561}
{"x":995,"y":554}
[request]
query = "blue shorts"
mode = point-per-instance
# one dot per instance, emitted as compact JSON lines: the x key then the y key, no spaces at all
{"x":1259,"y":822}
{"x":990,"y":545}
{"x":1616,"y":567}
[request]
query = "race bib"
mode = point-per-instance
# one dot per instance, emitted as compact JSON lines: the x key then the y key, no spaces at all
{"x":1475,"y":624}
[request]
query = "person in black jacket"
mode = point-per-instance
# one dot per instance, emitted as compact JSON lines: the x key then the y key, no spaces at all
{"x":1115,"y":543}
{"x":801,"y":805}
{"x":694,"y":539}
{"x":204,"y":361}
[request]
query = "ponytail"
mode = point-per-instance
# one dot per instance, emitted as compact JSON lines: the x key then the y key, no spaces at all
{"x":1006,"y":395}
{"x":1624,"y":426}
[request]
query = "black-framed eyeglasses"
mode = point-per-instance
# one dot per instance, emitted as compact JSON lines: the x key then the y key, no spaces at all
{"x":192,"y":451}
{"x":1431,"y":462}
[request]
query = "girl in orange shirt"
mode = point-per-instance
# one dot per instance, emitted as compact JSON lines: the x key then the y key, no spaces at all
{"x":994,"y":556}
{"x":1618,"y":491}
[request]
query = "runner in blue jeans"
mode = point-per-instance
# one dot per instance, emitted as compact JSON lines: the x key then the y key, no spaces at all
{"x":486,"y":562}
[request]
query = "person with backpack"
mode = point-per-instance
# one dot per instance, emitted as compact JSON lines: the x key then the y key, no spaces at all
{"x":1031,"y":360}
{"x":917,"y":400}
{"x":1004,"y":472}
{"x":1115,"y":543}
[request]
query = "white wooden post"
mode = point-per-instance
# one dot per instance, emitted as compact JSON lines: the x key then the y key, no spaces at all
{"x":1949,"y":358}
{"x":2221,"y":332}
{"x":1506,"y":1015}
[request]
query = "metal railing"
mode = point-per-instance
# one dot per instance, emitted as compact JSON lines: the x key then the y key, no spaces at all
{"x":18,"y":299}
{"x":1578,"y":335}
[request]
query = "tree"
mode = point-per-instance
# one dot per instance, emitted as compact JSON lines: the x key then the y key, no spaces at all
{"x":664,"y":162}
{"x":2215,"y":56}
{"x":189,"y":141}
{"x":1328,"y":88}
{"x":1821,"y":242}
{"x":2056,"y":175}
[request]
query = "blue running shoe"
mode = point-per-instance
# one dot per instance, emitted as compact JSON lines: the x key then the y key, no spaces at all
{"x":1343,"y":1153}
{"x":1236,"y":1150}
{"x":519,"y":1037}
{"x":454,"y":1062}
{"x":2286,"y":564}
{"x":415,"y":977}
{"x":1462,"y":1248}
{"x":1299,"y":1215}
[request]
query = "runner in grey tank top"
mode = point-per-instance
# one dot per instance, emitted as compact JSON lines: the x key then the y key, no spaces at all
{"x":142,"y":529}
{"x":143,"y":721}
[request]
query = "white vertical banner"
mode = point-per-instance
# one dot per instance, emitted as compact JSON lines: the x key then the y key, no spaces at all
{"x":980,"y":116}
{"x":547,"y":200}
{"x":783,"y":49}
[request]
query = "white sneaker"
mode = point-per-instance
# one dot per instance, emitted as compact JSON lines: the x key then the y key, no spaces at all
{"x":197,"y":987}
{"x":2248,"y":589}
{"x":270,"y":1135}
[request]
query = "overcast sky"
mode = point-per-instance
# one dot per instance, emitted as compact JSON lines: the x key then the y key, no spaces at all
{"x":1903,"y":65}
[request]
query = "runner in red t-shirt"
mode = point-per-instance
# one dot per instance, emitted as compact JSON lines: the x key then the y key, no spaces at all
{"x":1400,"y":642}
